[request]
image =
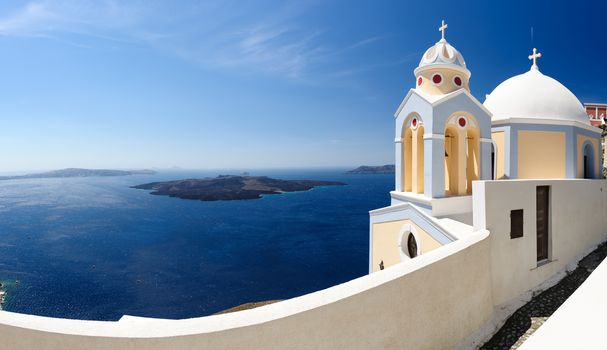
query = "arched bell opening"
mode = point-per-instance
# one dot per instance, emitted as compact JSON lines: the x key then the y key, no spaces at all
{"x":413,"y":155}
{"x":407,"y":155}
{"x":462,"y":154}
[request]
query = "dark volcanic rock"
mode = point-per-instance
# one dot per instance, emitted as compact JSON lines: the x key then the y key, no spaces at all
{"x":229,"y":187}
{"x":366,"y":169}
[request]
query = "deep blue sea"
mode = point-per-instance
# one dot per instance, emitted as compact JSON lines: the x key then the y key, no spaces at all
{"x":93,"y":248}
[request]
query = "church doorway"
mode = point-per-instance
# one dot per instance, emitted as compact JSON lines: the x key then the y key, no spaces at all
{"x":542,"y":221}
{"x":588,"y":162}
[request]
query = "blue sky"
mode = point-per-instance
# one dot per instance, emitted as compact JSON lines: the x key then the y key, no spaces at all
{"x":254,"y":84}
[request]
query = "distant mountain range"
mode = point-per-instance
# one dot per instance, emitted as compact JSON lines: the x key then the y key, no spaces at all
{"x":368,"y":169}
{"x":77,"y":172}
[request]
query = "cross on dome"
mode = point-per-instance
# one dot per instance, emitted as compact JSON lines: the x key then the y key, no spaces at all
{"x":442,"y":29}
{"x":534,"y":57}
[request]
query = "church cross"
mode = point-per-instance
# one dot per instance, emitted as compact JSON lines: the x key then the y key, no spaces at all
{"x":442,"y":28}
{"x":534,"y":57}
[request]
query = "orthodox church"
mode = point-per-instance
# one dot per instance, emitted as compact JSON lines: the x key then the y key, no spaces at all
{"x":529,"y":127}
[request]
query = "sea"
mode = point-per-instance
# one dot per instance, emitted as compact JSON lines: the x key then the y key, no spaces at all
{"x":96,"y":249}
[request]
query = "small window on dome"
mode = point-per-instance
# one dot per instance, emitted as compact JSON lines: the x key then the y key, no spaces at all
{"x":419,"y":81}
{"x":446,"y":53}
{"x":457,"y":80}
{"x":437,"y":79}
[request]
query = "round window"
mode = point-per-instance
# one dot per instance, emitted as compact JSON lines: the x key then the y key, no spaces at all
{"x":414,"y":122}
{"x":457,"y":80}
{"x":462,"y":122}
{"x":412,"y":246}
{"x":437,"y":79}
{"x":419,"y":81}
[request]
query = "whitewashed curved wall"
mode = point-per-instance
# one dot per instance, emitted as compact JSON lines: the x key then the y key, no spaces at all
{"x":434,"y":301}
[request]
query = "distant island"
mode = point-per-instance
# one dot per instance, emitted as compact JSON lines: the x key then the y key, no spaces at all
{"x":230,"y":187}
{"x":76,"y":172}
{"x":367,"y":169}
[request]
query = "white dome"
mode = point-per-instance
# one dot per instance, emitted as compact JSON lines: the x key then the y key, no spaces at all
{"x":443,"y":55}
{"x":535,"y":95}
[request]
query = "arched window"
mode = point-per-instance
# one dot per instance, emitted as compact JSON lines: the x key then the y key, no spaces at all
{"x":412,"y":246}
{"x":408,"y":243}
{"x":588,"y":164}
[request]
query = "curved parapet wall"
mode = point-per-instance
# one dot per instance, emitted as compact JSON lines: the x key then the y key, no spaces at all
{"x":434,"y":301}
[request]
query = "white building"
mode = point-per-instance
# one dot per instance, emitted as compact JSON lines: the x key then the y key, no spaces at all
{"x":529,"y":127}
{"x":492,"y":203}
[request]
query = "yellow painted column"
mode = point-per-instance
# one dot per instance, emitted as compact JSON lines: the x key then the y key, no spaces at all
{"x":460,"y":174}
{"x":419,"y":151}
{"x":473,"y":161}
{"x":415,"y":161}
{"x":451,"y":161}
{"x":407,"y":155}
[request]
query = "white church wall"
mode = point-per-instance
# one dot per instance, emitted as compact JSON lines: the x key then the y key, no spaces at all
{"x":576,"y":225}
{"x":434,"y":301}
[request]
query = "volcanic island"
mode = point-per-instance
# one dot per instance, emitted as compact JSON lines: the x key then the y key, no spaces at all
{"x":230,"y":187}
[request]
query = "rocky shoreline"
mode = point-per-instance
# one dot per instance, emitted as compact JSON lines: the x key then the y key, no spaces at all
{"x":2,"y":296}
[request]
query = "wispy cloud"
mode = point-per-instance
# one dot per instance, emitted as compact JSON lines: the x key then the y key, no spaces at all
{"x":29,"y":20}
{"x":216,"y":34}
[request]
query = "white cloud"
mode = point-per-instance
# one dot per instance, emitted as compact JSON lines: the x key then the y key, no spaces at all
{"x":217,"y":34}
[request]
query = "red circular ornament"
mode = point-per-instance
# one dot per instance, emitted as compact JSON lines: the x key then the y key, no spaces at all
{"x":457,"y":81}
{"x":436,"y":78}
{"x":419,"y":81}
{"x":414,"y":122}
{"x":462,"y":122}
